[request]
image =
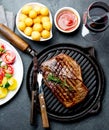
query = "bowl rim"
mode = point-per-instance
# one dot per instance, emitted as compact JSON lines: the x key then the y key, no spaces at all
{"x":71,"y":9}
{"x":17,"y":20}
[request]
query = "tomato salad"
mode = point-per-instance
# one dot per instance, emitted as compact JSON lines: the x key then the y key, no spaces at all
{"x":7,"y":80}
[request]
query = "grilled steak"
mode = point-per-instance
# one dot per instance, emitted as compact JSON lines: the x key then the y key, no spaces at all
{"x":63,"y":76}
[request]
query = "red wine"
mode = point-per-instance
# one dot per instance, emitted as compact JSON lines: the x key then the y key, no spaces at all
{"x":98,"y":20}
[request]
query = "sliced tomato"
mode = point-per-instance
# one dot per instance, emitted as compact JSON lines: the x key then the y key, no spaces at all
{"x":9,"y":69}
{"x":9,"y":57}
{"x":2,"y":73}
{"x":2,"y":48}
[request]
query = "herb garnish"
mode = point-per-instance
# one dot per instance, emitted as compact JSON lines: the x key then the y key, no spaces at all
{"x":6,"y":85}
{"x":8,"y":75}
{"x":55,"y":79}
{"x":0,"y":63}
{"x":2,"y":50}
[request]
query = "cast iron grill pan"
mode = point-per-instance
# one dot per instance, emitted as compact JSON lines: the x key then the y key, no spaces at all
{"x":92,"y":75}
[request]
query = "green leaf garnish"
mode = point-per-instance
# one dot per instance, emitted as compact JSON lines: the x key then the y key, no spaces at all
{"x":52,"y":78}
{"x":0,"y":63}
{"x":8,"y":75}
{"x":6,"y":85}
{"x":55,"y":79}
{"x":2,"y":50}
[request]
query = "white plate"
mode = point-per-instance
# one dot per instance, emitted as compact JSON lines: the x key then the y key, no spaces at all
{"x":34,"y":4}
{"x":18,"y":72}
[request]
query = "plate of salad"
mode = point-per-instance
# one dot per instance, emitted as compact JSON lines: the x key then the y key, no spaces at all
{"x":10,"y":66}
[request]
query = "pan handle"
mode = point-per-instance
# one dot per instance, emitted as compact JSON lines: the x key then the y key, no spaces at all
{"x":96,"y":108}
{"x":13,"y":38}
{"x":91,"y":51}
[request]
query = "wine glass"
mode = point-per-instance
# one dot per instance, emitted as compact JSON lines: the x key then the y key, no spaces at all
{"x":95,"y":21}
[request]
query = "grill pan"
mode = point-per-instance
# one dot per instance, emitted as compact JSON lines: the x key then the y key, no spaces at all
{"x":92,"y":77}
{"x":92,"y":74}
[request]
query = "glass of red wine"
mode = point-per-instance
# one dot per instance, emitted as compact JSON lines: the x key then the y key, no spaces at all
{"x":95,"y":21}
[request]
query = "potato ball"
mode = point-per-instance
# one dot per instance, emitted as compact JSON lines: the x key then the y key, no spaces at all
{"x":26,"y":9}
{"x":32,"y":14}
{"x":37,"y":20}
{"x":45,"y":19}
{"x":21,"y":25}
{"x":37,"y":27}
{"x":28,"y":31}
{"x":22,"y":17}
{"x":37,"y":9}
{"x":45,"y":34}
{"x":44,"y":11}
{"x":36,"y":35}
{"x":47,"y":25}
{"x":28,"y":22}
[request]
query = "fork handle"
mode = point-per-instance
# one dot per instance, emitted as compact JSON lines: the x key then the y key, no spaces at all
{"x":33,"y":108}
{"x":43,"y":111}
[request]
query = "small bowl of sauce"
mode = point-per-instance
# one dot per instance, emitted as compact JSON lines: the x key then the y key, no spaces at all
{"x":67,"y":19}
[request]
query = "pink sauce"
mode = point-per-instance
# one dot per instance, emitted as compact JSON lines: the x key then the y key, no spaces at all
{"x":67,"y":20}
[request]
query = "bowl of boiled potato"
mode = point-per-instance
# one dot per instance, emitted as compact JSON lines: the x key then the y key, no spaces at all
{"x":34,"y":21}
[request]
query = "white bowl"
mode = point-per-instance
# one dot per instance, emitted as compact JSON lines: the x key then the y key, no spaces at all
{"x":59,"y":14}
{"x":17,"y":20}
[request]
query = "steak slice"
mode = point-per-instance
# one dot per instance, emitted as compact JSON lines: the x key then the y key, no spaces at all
{"x":63,"y":77}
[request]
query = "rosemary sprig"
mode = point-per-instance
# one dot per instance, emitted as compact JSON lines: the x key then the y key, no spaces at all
{"x":55,"y":79}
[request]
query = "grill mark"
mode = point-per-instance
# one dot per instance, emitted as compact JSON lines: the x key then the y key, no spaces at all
{"x":58,"y":95}
{"x":69,"y":94}
{"x":63,"y":91}
{"x":71,"y":64}
{"x":68,"y":80}
{"x":58,"y":90}
{"x":65,"y":88}
{"x":56,"y":71}
{"x":75,"y":81}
